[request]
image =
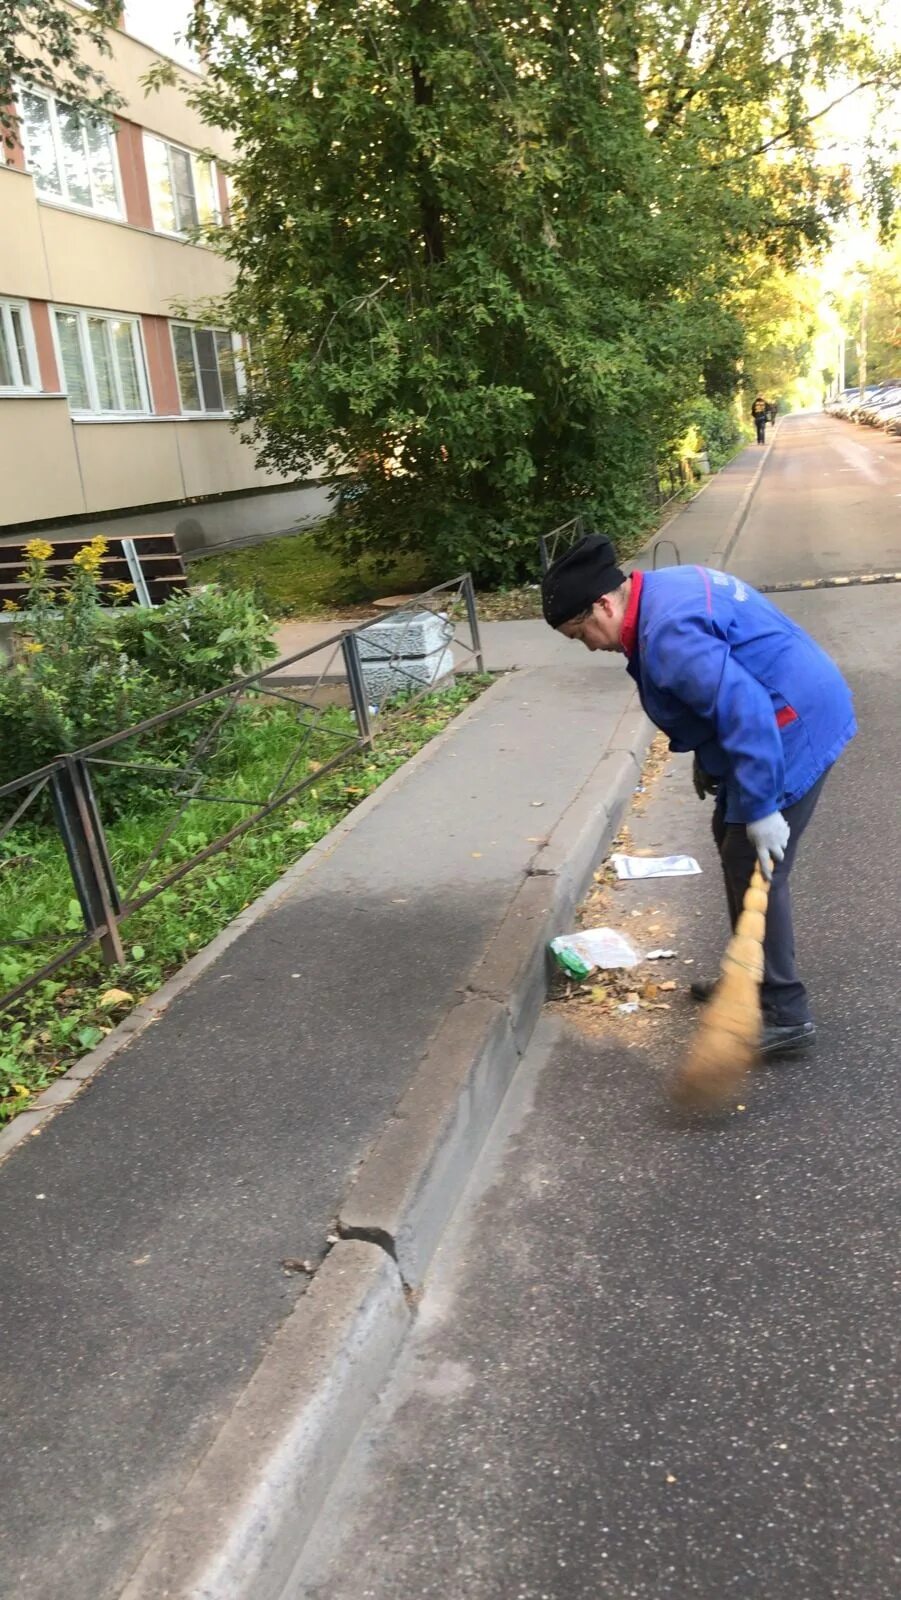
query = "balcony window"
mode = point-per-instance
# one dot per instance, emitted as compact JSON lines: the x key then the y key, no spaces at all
{"x":71,"y":156}
{"x":102,"y":361}
{"x":208,"y":372}
{"x":183,"y":189}
{"x":18,"y":359}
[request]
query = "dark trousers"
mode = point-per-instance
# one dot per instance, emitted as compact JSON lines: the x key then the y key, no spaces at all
{"x":760,"y":423}
{"x":784,"y":996}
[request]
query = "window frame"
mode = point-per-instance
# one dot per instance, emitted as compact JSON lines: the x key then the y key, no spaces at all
{"x":94,"y":411}
{"x":63,"y":200}
{"x":240,"y":377}
{"x":8,"y":304}
{"x":194,"y":157}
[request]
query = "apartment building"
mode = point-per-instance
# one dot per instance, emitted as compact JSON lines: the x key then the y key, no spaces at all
{"x":110,"y":403}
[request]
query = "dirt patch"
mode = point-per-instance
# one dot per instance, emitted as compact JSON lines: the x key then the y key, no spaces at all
{"x":630,"y":1004}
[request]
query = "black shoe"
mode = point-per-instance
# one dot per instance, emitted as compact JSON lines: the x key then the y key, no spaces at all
{"x":703,"y":988}
{"x":779,"y":1040}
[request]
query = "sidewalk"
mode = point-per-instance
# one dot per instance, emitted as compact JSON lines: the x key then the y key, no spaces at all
{"x":342,"y":1057}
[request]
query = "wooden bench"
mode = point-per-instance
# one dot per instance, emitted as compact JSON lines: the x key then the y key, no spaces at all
{"x":150,"y":562}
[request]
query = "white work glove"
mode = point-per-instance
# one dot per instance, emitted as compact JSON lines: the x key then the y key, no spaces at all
{"x":769,"y":837}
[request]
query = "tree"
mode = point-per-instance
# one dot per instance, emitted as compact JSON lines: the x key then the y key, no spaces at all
{"x":42,"y":44}
{"x":487,"y":250}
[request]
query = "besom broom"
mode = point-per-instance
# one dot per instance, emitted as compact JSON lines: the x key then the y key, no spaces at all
{"x":727,"y":1037}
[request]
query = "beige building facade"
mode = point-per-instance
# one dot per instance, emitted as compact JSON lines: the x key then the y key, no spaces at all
{"x":110,"y":401}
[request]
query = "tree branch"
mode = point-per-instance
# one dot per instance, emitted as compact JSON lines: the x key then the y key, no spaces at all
{"x":759,"y":150}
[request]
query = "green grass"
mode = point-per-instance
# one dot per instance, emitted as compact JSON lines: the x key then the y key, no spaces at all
{"x":64,"y":1017}
{"x":297,"y":576}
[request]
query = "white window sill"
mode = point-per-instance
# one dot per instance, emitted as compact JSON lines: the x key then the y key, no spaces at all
{"x":59,"y":203}
{"x":104,"y":216}
{"x":31,"y":394}
{"x":91,"y":419}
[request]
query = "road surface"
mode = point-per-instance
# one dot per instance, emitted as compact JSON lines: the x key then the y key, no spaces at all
{"x":659,"y":1361}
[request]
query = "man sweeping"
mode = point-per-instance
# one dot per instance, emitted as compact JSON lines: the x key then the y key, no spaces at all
{"x":766,"y":712}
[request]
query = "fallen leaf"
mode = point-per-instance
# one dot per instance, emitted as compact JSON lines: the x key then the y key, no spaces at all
{"x":537,"y":803}
{"x":115,"y":997}
{"x":669,"y":986}
{"x":290,"y":1265}
{"x":476,"y":855}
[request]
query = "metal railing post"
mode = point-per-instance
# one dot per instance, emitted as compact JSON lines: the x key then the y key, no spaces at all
{"x":469,"y":598}
{"x":356,"y":682}
{"x":83,"y":838}
{"x":136,"y":572}
{"x":543,"y":554}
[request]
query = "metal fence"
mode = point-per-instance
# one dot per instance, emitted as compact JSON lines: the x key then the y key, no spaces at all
{"x":665,"y":486}
{"x":405,"y":653}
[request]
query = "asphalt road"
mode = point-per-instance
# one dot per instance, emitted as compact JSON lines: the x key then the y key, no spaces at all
{"x":656,"y":1360}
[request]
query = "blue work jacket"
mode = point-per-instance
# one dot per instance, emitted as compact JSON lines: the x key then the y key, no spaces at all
{"x":724,"y":673}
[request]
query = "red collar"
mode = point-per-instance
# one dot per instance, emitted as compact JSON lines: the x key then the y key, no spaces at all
{"x":629,"y":636}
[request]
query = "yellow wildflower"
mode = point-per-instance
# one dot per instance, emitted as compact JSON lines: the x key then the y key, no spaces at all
{"x":32,"y":648}
{"x":38,"y":550}
{"x":90,"y":556}
{"x":120,"y":590}
{"x":10,"y":605}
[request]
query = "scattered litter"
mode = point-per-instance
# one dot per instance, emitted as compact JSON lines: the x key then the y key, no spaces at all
{"x":580,"y":953}
{"x":655,"y":866}
{"x":628,"y":1007}
{"x":660,"y":955}
{"x":537,"y":803}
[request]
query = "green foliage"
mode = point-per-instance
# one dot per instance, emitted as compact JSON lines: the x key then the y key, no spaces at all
{"x":48,"y":45}
{"x":485,"y":254}
{"x":298,"y":575}
{"x":879,"y":288}
{"x":710,"y":425}
{"x":48,"y":1030}
{"x":81,"y":673}
{"x":197,"y":640}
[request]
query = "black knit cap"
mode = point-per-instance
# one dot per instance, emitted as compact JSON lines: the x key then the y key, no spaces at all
{"x":578,"y":578}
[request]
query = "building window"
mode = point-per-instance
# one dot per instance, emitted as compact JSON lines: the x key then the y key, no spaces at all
{"x":70,"y":156}
{"x":18,"y":358}
{"x":209,"y":378}
{"x":183,"y":188}
{"x":102,"y":362}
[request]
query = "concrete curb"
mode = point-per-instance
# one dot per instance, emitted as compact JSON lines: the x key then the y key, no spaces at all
{"x":408,"y":1187}
{"x":64,"y":1089}
{"x":240,"y":1524}
{"x":244,"y":1515}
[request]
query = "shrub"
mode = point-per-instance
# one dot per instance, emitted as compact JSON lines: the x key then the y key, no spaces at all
{"x":81,"y":672}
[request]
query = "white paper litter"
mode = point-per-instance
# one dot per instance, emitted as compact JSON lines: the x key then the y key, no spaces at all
{"x":659,"y":955}
{"x":655,"y":866}
{"x":581,"y":953}
{"x":628,"y":1006}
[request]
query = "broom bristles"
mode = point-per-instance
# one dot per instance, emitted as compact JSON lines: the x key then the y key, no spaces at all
{"x":726,"y":1041}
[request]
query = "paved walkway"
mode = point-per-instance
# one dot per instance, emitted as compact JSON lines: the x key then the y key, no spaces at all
{"x":147,"y":1225}
{"x":658,"y":1361}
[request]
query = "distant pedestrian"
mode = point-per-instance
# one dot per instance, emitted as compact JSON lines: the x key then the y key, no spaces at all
{"x":763,"y":708}
{"x":760,"y":412}
{"x":771,"y":411}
